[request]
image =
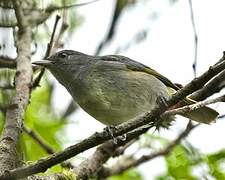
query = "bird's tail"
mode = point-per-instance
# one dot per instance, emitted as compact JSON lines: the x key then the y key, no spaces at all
{"x":202,"y":115}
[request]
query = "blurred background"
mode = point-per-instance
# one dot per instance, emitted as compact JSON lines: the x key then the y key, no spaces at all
{"x":158,"y":33}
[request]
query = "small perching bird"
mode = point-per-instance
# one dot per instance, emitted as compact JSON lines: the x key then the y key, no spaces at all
{"x":115,"y":89}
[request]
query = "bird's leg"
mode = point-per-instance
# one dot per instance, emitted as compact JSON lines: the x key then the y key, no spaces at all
{"x":123,"y":137}
{"x":109,"y":129}
{"x":161,"y":101}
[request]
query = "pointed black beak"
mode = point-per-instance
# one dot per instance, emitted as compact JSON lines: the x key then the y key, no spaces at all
{"x":44,"y":63}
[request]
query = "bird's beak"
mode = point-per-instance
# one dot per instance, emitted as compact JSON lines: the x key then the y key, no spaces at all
{"x":44,"y":63}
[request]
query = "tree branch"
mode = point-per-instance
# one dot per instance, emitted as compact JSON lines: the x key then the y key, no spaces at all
{"x":14,"y":115}
{"x":212,"y":87}
{"x":197,"y":105}
{"x":48,"y":149}
{"x":7,"y":62}
{"x":39,"y":140}
{"x":53,"y":7}
{"x":48,"y":52}
{"x":195,"y":38}
{"x":94,"y":163}
{"x":125,"y":165}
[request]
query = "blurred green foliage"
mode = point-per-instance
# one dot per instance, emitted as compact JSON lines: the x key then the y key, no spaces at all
{"x":186,"y":163}
{"x":42,"y":119}
{"x":128,"y":175}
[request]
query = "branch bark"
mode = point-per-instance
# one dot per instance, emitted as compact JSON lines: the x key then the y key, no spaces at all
{"x":15,"y":113}
{"x":125,"y":165}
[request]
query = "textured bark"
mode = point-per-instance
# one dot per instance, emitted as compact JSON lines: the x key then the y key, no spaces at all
{"x":15,"y":112}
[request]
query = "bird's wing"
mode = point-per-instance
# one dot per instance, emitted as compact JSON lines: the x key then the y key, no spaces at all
{"x":136,"y":66}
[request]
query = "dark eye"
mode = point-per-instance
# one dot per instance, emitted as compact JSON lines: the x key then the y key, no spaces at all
{"x":63,"y":55}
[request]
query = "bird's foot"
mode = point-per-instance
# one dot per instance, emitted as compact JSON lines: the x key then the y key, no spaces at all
{"x":161,"y":101}
{"x":109,"y":130}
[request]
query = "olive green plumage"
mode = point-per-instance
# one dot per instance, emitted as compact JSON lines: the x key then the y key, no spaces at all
{"x":114,"y":89}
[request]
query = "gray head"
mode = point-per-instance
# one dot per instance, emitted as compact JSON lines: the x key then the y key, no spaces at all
{"x":64,"y":58}
{"x":66,"y":65}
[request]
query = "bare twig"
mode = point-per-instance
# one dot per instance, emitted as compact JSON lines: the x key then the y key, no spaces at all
{"x":221,"y":116}
{"x":39,"y":140}
{"x":7,"y":87}
{"x":121,"y":167}
{"x":48,"y":52}
{"x":7,"y":62}
{"x":93,"y":164}
{"x":212,"y":87}
{"x":8,"y":25}
{"x":197,"y":105}
{"x":53,"y":7}
{"x":48,"y":149}
{"x":194,"y":65}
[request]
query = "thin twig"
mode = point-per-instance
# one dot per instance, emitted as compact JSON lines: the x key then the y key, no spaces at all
{"x":7,"y":87}
{"x":197,"y":105}
{"x":48,"y":52}
{"x":212,"y":87}
{"x":48,"y":149}
{"x":39,"y":140}
{"x":194,"y":65}
{"x":53,"y":7}
{"x":7,"y":62}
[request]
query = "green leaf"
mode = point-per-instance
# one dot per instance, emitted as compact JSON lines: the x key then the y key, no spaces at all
{"x":128,"y":175}
{"x":179,"y":164}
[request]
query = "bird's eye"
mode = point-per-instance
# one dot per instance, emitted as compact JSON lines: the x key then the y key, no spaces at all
{"x":63,"y":55}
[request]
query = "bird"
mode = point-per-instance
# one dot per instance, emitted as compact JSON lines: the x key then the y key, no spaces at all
{"x":115,"y":89}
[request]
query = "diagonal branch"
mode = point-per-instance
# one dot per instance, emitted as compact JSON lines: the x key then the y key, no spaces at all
{"x":48,"y":52}
{"x":38,"y":139}
{"x":53,"y":7}
{"x":212,"y":87}
{"x":93,"y":164}
{"x":48,"y":149}
{"x":125,"y":165}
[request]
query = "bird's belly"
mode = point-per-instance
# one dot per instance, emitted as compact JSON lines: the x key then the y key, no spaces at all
{"x":116,"y":99}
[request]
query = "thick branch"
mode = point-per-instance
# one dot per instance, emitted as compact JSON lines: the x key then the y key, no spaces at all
{"x":212,"y":87}
{"x":101,"y":137}
{"x":14,"y":114}
{"x":93,"y":164}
